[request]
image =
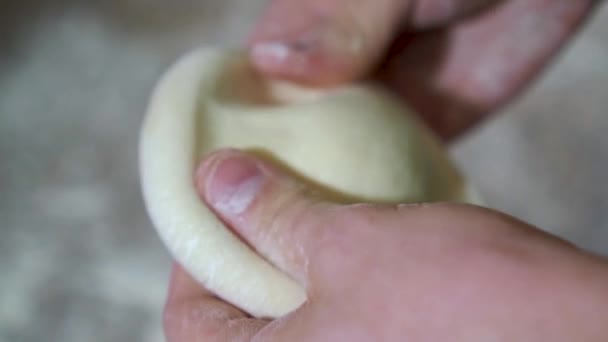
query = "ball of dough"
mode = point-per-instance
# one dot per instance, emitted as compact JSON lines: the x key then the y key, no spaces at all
{"x":354,"y":144}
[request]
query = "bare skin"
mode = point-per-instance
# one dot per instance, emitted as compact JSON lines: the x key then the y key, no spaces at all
{"x":453,"y":61}
{"x":440,"y":272}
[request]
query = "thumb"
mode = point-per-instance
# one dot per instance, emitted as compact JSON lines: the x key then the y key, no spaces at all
{"x":268,"y":209}
{"x":324,"y":42}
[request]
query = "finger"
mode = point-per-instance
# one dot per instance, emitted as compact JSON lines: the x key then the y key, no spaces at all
{"x":324,"y":42}
{"x":456,"y":76}
{"x":194,"y":314}
{"x":266,"y":207}
{"x":426,"y":14}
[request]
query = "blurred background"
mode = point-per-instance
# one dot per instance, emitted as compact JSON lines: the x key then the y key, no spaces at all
{"x":79,"y":260}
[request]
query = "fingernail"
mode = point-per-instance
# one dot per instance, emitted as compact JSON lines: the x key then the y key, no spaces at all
{"x":325,"y":41}
{"x":233,"y":184}
{"x":270,"y":53}
{"x":280,"y":57}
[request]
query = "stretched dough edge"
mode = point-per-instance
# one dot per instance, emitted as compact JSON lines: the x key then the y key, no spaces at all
{"x":220,"y":260}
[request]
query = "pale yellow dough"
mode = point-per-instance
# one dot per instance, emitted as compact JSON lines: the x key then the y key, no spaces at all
{"x":356,"y":142}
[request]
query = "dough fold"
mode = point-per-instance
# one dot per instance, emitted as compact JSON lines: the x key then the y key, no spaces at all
{"x":353,"y":144}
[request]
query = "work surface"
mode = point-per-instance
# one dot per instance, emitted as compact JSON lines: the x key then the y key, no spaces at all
{"x":79,"y":259}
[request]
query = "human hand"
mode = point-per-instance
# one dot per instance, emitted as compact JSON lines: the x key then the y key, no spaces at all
{"x":435,"y":272}
{"x":453,"y":61}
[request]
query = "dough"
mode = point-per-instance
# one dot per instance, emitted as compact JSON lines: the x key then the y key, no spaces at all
{"x":356,"y":143}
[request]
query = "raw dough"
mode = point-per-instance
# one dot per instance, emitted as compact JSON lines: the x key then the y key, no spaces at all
{"x":356,"y":143}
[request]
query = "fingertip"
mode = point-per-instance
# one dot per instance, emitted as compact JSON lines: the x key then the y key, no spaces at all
{"x":266,"y":206}
{"x":313,"y":43}
{"x":323,"y":43}
{"x":206,"y":169}
{"x":229,"y":181}
{"x":308,"y":65}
